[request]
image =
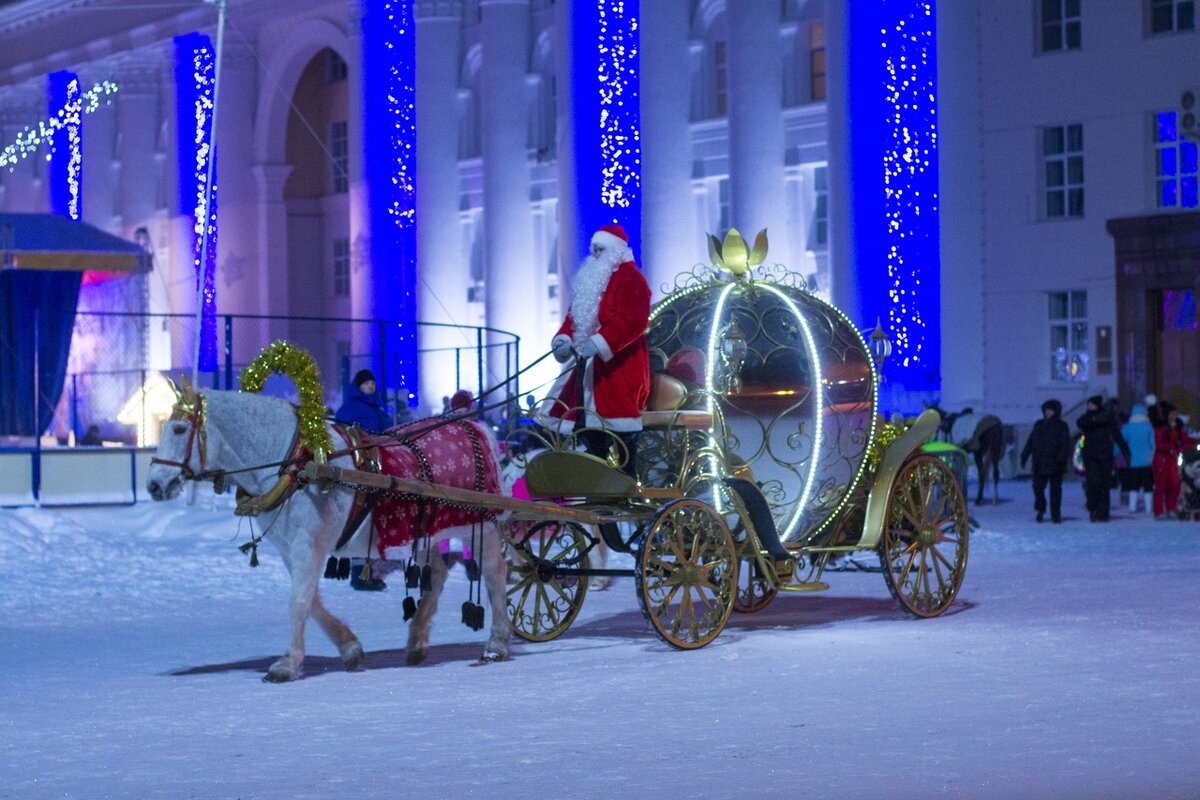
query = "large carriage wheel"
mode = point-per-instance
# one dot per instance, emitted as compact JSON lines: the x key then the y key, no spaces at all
{"x":687,"y":573}
{"x":923,"y":549}
{"x":755,"y":589}
{"x":541,"y":604}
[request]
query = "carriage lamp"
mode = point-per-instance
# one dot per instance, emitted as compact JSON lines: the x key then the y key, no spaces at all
{"x":733,"y":353}
{"x":881,"y":345}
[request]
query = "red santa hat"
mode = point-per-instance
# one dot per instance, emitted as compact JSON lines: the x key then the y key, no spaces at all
{"x":611,"y":237}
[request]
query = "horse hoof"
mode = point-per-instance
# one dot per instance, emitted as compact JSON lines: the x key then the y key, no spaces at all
{"x":279,"y":676}
{"x":491,"y":657}
{"x":415,"y":657}
{"x":352,"y":656}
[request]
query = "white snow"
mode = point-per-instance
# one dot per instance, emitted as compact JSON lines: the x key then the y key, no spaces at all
{"x":133,"y":641}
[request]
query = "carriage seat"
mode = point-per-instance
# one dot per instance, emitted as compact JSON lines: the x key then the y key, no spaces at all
{"x":567,"y":473}
{"x":663,"y":408}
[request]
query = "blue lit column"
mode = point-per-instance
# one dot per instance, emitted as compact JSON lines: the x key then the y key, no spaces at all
{"x":884,"y":183}
{"x":670,"y":240}
{"x":515,"y":284}
{"x":66,"y":145}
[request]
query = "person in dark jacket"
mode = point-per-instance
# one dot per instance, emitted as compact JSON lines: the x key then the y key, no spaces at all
{"x":1101,"y":431}
{"x":1049,"y":445}
{"x":359,"y":406}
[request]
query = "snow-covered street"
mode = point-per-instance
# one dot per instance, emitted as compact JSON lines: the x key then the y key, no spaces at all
{"x":133,"y":641}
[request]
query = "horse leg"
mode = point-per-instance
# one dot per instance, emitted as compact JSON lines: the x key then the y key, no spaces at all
{"x":996,"y":479}
{"x":349,"y":648}
{"x":305,"y":569}
{"x":495,"y":575}
{"x":981,"y":471}
{"x":418,"y":631}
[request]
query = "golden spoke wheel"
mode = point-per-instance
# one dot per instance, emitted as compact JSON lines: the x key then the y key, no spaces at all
{"x":755,"y":587}
{"x":541,"y":604}
{"x":923,"y":549}
{"x":687,"y":573}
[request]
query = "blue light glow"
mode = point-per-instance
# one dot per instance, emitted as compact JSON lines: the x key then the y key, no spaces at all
{"x":389,"y":157}
{"x":195,"y":80}
{"x":66,"y":143}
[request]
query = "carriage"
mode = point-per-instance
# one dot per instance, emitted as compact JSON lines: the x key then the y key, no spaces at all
{"x":763,"y":460}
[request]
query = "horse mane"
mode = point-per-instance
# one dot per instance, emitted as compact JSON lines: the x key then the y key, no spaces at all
{"x":250,"y":429}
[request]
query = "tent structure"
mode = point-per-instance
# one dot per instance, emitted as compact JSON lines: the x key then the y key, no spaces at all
{"x":42,"y":259}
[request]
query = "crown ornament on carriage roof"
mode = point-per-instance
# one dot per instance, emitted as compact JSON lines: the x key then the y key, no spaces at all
{"x":733,"y":254}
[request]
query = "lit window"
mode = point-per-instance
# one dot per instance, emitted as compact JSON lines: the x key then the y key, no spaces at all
{"x":1068,"y":336}
{"x":339,"y":157}
{"x":1167,"y":16}
{"x":723,"y":205}
{"x":816,"y":60}
{"x":1061,"y":25}
{"x":820,"y":226}
{"x":1062,"y":154}
{"x":341,"y":267}
{"x":1174,"y":164}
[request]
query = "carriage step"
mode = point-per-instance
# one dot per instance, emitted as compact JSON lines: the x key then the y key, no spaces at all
{"x":805,"y":587}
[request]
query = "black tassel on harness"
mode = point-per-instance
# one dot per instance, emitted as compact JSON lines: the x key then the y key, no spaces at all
{"x":251,"y":547}
{"x":331,"y":568}
{"x":410,"y":608}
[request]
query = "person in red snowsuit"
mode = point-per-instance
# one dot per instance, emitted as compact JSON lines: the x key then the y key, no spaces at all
{"x":604,"y":338}
{"x":1170,"y":439}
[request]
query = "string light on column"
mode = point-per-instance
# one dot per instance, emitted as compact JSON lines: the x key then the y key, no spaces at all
{"x":620,"y":135}
{"x":908,"y":39}
{"x":34,"y":136}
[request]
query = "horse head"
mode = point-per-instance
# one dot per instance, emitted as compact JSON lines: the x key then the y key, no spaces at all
{"x":182,"y":446}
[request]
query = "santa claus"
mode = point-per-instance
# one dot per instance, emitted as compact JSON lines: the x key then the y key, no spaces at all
{"x":604,"y":340}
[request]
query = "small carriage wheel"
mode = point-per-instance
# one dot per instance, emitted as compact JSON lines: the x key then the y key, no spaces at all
{"x":542,"y":604}
{"x":754,"y":589}
{"x":687,"y":573}
{"x":923,"y":549}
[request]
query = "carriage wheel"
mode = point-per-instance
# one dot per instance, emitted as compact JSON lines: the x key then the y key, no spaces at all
{"x":923,"y":549}
{"x":687,"y":573}
{"x":755,"y":589}
{"x":541,"y":604}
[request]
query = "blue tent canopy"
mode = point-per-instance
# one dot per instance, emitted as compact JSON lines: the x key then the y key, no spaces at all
{"x":54,"y":242}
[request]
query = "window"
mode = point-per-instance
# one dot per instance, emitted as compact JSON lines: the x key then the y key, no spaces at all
{"x":723,"y":205}
{"x":339,"y":156}
{"x":1174,"y":164}
{"x":341,"y":267}
{"x":820,"y":227}
{"x":816,"y":60}
{"x":720,"y":80}
{"x":1167,"y":16}
{"x":1068,"y":336}
{"x":1062,"y":153}
{"x":336,"y":67}
{"x":1060,"y":25}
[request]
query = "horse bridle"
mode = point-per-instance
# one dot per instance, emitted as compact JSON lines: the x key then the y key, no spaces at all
{"x":192,"y":412}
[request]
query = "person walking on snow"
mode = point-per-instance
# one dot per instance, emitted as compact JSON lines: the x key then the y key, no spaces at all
{"x":1138,"y":478}
{"x":1101,"y":432}
{"x":604,"y":338}
{"x":1049,"y":445}
{"x":1170,"y":439}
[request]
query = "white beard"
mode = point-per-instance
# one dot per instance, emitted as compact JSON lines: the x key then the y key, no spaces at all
{"x":590,"y":283}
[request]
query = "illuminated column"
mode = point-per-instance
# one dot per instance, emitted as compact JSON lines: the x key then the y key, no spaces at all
{"x":514,"y":287}
{"x":670,"y":240}
{"x":756,"y":183}
{"x":65,"y":169}
{"x":443,"y":273}
{"x":22,"y":107}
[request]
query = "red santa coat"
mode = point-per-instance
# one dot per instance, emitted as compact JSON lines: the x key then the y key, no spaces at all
{"x":617,"y":379}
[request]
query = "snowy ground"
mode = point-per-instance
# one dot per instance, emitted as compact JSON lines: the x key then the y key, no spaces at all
{"x":133,"y":641}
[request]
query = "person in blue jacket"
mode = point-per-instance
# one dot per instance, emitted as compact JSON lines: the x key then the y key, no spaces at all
{"x":1139,"y":478}
{"x":360,"y":407}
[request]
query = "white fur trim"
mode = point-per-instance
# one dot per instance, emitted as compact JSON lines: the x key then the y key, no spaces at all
{"x":608,"y":242}
{"x":602,"y":347}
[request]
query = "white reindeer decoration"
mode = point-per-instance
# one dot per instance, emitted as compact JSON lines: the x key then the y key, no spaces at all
{"x":230,"y":431}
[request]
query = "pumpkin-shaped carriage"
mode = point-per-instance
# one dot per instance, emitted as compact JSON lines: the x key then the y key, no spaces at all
{"x":762,"y":458}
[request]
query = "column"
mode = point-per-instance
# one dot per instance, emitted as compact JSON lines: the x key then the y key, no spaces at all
{"x":514,"y":290}
{"x":756,"y":162}
{"x":137,"y":115}
{"x":23,"y":107}
{"x":843,"y":279}
{"x":669,"y":236}
{"x":444,"y":277}
{"x":269,"y":180}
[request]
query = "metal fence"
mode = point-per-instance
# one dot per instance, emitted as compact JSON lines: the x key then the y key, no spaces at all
{"x":115,"y":388}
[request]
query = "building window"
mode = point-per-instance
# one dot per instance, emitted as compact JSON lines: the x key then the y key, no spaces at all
{"x":1068,"y":336}
{"x":820,"y":225}
{"x":1167,"y":16}
{"x":720,"y":80}
{"x":1174,"y":164}
{"x":1062,"y":153}
{"x":723,"y":205}
{"x":1060,"y":25}
{"x":339,"y":157}
{"x":341,"y":267}
{"x":475,"y":293}
{"x":336,"y":67}
{"x":816,"y":60}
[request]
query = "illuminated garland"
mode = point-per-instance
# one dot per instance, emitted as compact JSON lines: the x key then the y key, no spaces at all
{"x":878,"y":445}
{"x":620,"y":137}
{"x":30,"y":139}
{"x":282,"y":358}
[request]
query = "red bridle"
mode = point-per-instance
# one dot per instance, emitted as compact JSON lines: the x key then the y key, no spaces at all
{"x":193,"y":414}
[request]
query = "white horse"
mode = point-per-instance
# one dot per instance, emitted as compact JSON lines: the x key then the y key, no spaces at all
{"x":231,"y":431}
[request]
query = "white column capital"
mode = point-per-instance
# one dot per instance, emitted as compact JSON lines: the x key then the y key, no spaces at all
{"x":271,"y":178}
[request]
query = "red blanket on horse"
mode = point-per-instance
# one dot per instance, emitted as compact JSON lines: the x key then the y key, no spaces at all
{"x":459,"y":453}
